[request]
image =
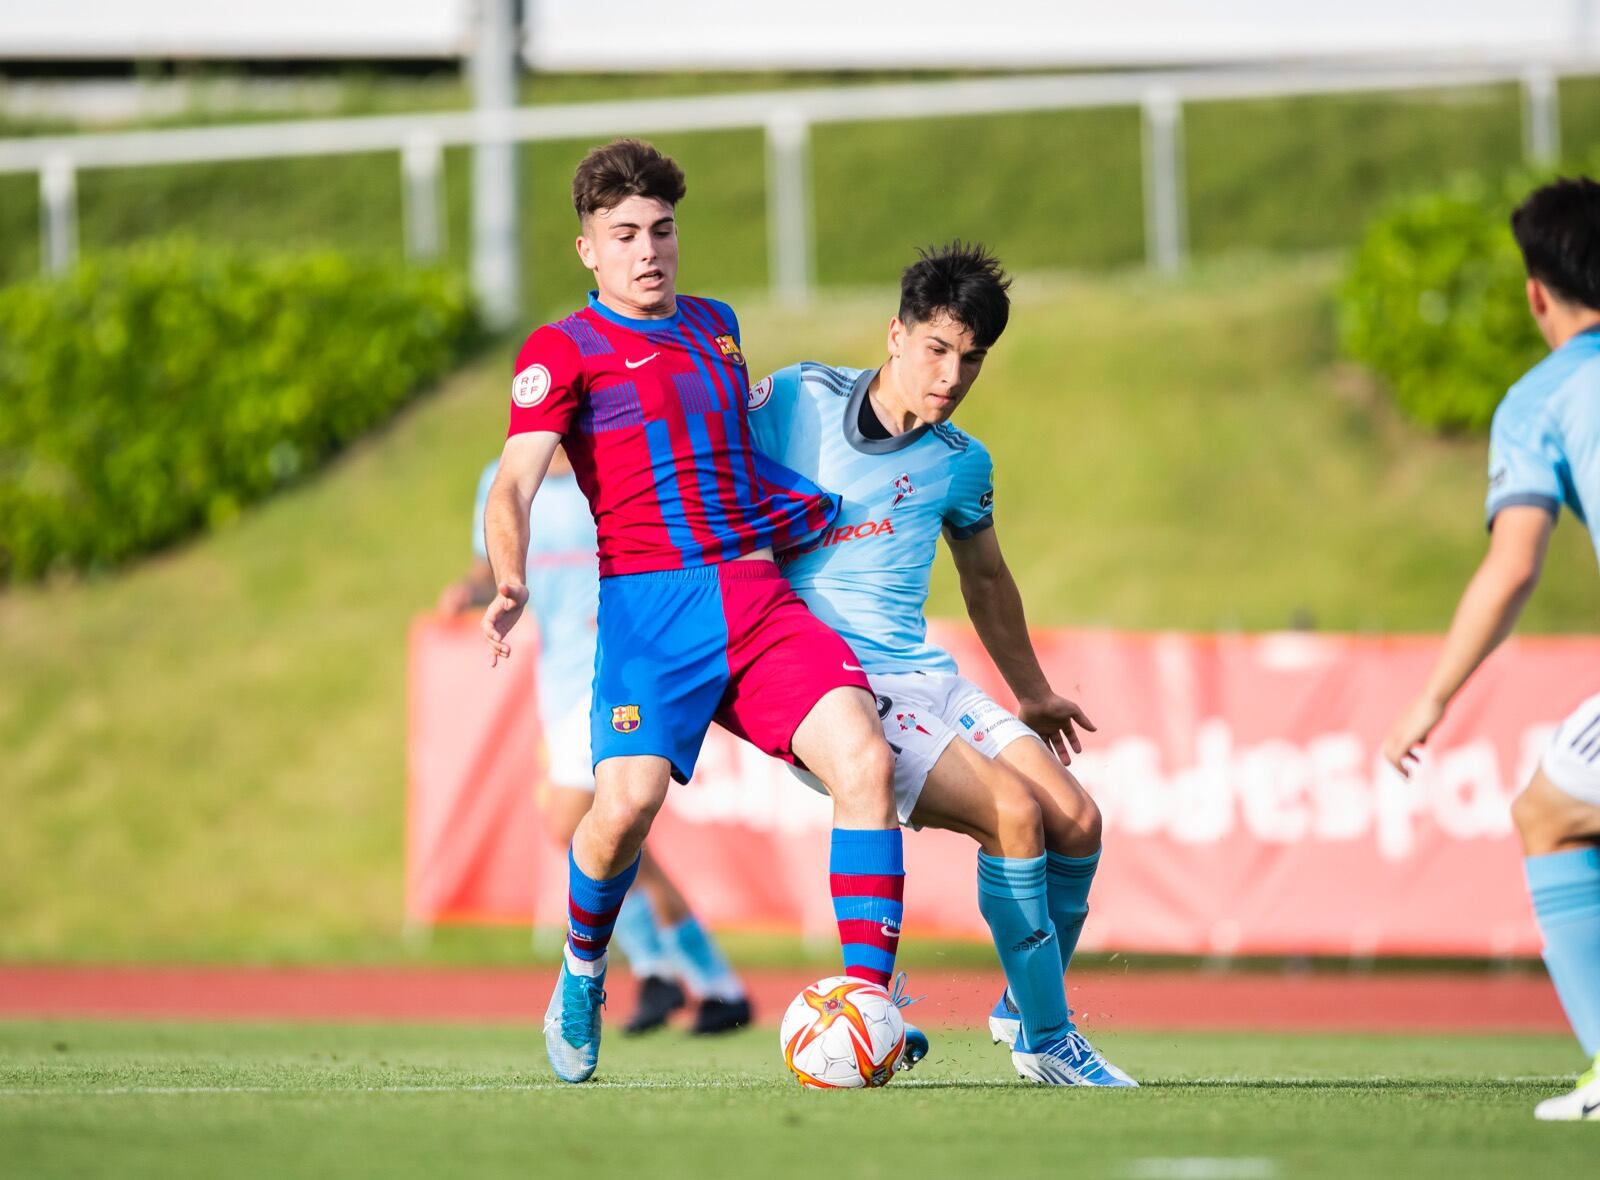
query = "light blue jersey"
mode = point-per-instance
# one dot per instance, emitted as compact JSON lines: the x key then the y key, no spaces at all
{"x":563,"y":578}
{"x":867,"y":577}
{"x":1544,"y":446}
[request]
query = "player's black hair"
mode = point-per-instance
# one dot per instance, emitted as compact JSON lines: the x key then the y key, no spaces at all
{"x":962,"y":280}
{"x":621,"y":169}
{"x":1558,"y":229}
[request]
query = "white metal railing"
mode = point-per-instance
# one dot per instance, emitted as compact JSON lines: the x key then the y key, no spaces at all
{"x":786,"y":116}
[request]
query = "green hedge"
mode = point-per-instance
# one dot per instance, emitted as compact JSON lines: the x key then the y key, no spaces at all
{"x":1433,"y":302}
{"x":151,"y":392}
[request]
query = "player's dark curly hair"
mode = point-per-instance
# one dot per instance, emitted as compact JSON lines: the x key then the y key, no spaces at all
{"x":624,"y":168}
{"x":962,"y":280}
{"x":1558,"y":229}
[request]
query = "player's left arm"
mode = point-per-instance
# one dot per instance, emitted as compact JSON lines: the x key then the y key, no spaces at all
{"x":994,"y":604}
{"x":1487,"y":612}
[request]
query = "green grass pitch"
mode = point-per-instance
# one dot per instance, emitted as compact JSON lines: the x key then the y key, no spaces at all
{"x":248,"y":1100}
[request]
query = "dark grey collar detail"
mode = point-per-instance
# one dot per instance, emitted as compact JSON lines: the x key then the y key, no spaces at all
{"x":852,"y":419}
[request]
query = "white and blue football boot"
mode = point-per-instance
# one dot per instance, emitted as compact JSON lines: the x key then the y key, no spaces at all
{"x":572,"y":1025}
{"x":916,"y":1040}
{"x":1582,"y":1105}
{"x":1005,"y":1021}
{"x":1068,"y":1061}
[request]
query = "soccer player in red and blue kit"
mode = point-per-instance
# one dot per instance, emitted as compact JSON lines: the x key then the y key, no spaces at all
{"x":646,"y":390}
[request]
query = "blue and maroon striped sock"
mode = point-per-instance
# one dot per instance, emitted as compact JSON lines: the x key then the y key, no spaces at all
{"x":592,"y":908}
{"x":867,"y":876}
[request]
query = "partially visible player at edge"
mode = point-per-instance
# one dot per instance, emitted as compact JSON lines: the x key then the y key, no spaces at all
{"x":883,"y":440}
{"x":665,"y":944}
{"x":646,"y":390}
{"x":1544,"y":451}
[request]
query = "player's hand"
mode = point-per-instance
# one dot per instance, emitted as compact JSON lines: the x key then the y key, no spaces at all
{"x":502,"y":615}
{"x":1402,"y":748}
{"x":1054,"y":718}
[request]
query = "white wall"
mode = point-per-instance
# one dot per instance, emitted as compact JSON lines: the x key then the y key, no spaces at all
{"x":763,"y":34}
{"x":123,"y":29}
{"x":652,"y":34}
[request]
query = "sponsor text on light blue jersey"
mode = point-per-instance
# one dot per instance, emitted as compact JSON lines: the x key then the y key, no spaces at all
{"x":867,"y":577}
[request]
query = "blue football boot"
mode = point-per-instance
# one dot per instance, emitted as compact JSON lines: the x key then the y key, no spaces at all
{"x":916,"y":1040}
{"x":1068,"y":1061}
{"x":572,"y":1025}
{"x":1005,"y":1021}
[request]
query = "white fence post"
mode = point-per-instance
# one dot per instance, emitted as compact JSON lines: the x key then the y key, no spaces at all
{"x":58,"y":214}
{"x":1541,"y":116}
{"x":496,"y":252}
{"x":1166,"y":229}
{"x":789,"y":228}
{"x":422,"y":162}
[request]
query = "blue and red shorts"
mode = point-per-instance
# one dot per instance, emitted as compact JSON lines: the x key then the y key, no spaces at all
{"x":730,"y":642}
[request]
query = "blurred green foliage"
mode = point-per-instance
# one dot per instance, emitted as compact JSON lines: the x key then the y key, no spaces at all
{"x":1433,"y":301}
{"x":152,"y":391}
{"x":1048,"y":190}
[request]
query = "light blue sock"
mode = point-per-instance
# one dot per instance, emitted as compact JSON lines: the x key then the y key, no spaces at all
{"x":639,"y":938}
{"x":705,"y":970}
{"x":1012,"y":899}
{"x":1069,"y":878}
{"x":1566,"y":897}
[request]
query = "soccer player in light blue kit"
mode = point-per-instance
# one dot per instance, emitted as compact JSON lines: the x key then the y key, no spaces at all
{"x":658,"y":933}
{"x":1544,"y":451}
{"x":882,"y":440}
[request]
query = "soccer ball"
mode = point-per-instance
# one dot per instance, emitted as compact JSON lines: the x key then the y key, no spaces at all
{"x":842,"y":1034}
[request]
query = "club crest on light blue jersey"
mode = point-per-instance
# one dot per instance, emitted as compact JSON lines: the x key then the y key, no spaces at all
{"x":867,"y":576}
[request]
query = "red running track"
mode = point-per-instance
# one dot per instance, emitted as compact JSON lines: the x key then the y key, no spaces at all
{"x":1147,"y":1000}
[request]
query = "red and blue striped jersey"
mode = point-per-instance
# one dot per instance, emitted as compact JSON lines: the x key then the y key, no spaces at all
{"x":652,"y":415}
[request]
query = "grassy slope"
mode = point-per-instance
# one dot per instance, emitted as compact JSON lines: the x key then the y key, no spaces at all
{"x":203,"y":757}
{"x":400,"y":1102}
{"x":1049,"y":190}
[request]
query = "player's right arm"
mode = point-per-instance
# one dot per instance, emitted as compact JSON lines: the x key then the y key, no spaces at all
{"x":523,"y":463}
{"x":1486,"y":614}
{"x":1524,"y":498}
{"x":544,"y":401}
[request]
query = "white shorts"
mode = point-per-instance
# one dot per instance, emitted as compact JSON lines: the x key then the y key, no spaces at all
{"x":1572,"y":759}
{"x":566,"y":749}
{"x":922,"y":713}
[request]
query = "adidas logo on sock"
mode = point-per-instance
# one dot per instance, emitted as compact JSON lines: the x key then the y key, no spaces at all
{"x":1035,"y":940}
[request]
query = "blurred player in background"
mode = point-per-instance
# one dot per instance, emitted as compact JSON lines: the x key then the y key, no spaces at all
{"x":646,"y":391}
{"x":1544,"y":451}
{"x":882,"y":439}
{"x":664,"y":943}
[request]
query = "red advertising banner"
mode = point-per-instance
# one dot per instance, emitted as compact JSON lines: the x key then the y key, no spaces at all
{"x":1247,"y":810}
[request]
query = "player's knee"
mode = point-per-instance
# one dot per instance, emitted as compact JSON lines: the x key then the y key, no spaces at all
{"x":1073,"y":828}
{"x":626,"y":812}
{"x":1089,"y":824}
{"x":1527,"y":813}
{"x":866,"y":771}
{"x":1017,"y":814}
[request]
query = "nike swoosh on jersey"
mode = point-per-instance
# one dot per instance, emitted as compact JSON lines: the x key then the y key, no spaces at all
{"x":853,"y":668}
{"x":646,"y":361}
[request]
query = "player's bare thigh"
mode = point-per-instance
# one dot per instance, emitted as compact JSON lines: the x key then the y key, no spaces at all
{"x":1070,"y":816}
{"x":1550,"y":820}
{"x":986,"y":799}
{"x":841,"y":742}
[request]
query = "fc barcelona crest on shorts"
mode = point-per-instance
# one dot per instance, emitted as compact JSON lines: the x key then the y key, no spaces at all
{"x":730,"y":349}
{"x":625,"y":718}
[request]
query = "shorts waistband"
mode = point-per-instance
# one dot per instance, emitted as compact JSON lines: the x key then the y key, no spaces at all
{"x":721,"y":571}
